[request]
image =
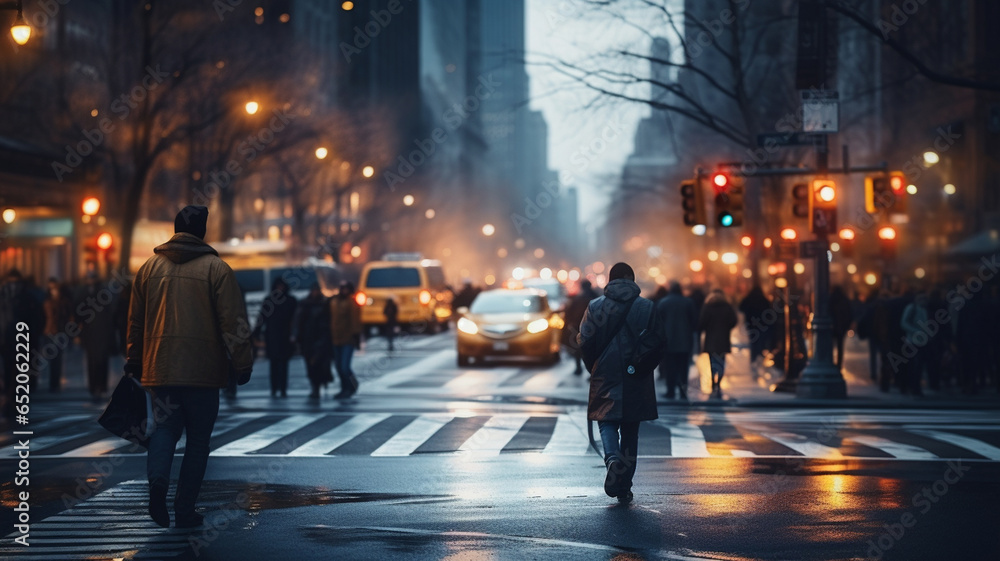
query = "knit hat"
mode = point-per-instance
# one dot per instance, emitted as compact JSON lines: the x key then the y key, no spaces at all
{"x":621,"y":271}
{"x":192,"y":219}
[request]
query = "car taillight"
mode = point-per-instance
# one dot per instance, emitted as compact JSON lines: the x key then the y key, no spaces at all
{"x":361,"y":298}
{"x":425,"y":297}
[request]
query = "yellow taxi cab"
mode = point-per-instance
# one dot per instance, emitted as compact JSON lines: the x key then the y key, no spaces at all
{"x":505,"y":323}
{"x":417,"y":285}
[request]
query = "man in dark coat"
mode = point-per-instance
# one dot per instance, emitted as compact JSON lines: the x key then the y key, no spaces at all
{"x":97,"y":331}
{"x":753,"y":306}
{"x":621,"y":396}
{"x":842,"y":316}
{"x":677,"y":315}
{"x":275,"y":321}
{"x":314,"y":338}
{"x":717,"y":320}
{"x":575,"y":310}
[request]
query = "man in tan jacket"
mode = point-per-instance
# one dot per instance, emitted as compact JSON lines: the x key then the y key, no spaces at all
{"x":187,"y":329}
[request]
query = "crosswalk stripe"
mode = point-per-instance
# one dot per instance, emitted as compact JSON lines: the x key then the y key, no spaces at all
{"x":432,"y":363}
{"x":330,"y":440}
{"x":972,"y":444}
{"x":686,"y":440}
{"x":404,"y":442}
{"x":98,"y":448}
{"x":265,"y":436}
{"x":480,"y":380}
{"x":803,"y":445}
{"x":895,"y":449}
{"x":568,"y":439}
{"x":494,"y":435}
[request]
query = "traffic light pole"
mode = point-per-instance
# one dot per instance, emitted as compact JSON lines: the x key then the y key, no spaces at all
{"x":821,"y":378}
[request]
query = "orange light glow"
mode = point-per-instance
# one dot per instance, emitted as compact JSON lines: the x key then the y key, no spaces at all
{"x":887,"y":233}
{"x":789,"y":234}
{"x":361,"y":299}
{"x":104,"y":240}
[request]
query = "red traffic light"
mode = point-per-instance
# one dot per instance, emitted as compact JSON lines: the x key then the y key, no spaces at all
{"x":887,"y":233}
{"x":720,"y":180}
{"x":104,"y":240}
{"x":898,"y":182}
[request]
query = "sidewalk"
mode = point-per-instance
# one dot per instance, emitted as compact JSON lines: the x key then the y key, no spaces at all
{"x":742,"y":388}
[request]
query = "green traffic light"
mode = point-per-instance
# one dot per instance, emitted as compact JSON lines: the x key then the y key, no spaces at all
{"x":726,"y":219}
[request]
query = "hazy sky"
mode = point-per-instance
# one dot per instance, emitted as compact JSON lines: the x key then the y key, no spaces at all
{"x":576,"y":147}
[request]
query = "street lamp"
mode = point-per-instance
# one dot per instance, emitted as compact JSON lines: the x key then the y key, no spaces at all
{"x":9,"y":215}
{"x":489,"y":230}
{"x":91,"y":206}
{"x":252,"y":107}
{"x":321,"y":153}
{"x":408,"y":200}
{"x":368,"y":171}
{"x":20,"y":30}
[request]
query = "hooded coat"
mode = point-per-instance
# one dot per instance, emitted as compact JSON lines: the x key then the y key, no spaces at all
{"x":616,"y":395}
{"x":186,"y":316}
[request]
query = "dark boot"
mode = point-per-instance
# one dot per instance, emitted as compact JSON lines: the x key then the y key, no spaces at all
{"x":158,"y":504}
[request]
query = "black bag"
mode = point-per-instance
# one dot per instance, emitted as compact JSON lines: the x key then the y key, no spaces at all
{"x":129,"y":414}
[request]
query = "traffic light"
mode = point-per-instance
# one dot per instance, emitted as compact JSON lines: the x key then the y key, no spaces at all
{"x":887,"y":242}
{"x":885,"y":192}
{"x":847,"y":237}
{"x":823,"y":207}
{"x":693,"y":202}
{"x":728,"y":199}
{"x":800,"y":196}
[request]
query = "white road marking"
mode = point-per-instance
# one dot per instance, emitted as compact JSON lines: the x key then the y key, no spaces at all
{"x":494,"y":435}
{"x":803,"y":445}
{"x":265,"y":436}
{"x":339,"y":435}
{"x":977,"y":446}
{"x":404,"y":442}
{"x":895,"y":449}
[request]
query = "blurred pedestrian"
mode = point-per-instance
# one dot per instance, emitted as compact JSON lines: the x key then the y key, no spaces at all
{"x":96,"y":309}
{"x":465,"y":296}
{"x":621,"y":396}
{"x":940,"y":339}
{"x":575,"y":310}
{"x":187,"y":334}
{"x":866,"y":331}
{"x":345,"y":330}
{"x":58,"y":307}
{"x":915,"y":347}
{"x":16,"y":307}
{"x":314,"y":339}
{"x":274,"y":325}
{"x":841,"y":315}
{"x":717,"y":320}
{"x":753,"y":307}
{"x":391,"y":313}
{"x":679,"y":321}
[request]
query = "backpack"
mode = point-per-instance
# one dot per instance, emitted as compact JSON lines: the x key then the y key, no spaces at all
{"x":647,"y":345}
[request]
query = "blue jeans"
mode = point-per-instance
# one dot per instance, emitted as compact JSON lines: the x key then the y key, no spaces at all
{"x":621,"y":442}
{"x":178,"y":409}
{"x":342,"y":355}
{"x":718,"y":362}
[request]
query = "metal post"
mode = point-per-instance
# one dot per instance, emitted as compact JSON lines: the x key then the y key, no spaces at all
{"x":821,"y":378}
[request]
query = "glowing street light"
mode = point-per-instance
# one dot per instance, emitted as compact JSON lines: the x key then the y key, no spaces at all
{"x":252,"y":107}
{"x":489,"y":230}
{"x":730,"y":258}
{"x":20,"y":31}
{"x":789,"y":234}
{"x":949,"y":189}
{"x":368,"y":171}
{"x":321,"y":153}
{"x":9,"y":215}
{"x":408,"y":200}
{"x":104,"y":240}
{"x":696,"y":265}
{"x":930,"y":158}
{"x":91,"y":206}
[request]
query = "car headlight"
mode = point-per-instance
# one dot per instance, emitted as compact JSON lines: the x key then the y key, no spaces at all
{"x":538,"y":325}
{"x":466,"y":325}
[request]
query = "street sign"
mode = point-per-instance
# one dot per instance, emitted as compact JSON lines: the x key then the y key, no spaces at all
{"x":786,"y":251}
{"x":820,"y":111}
{"x":811,"y":248}
{"x":787,"y":139}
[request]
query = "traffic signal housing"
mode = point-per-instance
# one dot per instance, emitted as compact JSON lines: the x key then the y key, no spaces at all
{"x":800,"y":200}
{"x":728,"y":199}
{"x":886,"y":192}
{"x":693,"y":203}
{"x":823,"y":207}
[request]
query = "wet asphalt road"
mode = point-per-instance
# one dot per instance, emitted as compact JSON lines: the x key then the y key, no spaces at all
{"x":711,"y":484}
